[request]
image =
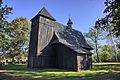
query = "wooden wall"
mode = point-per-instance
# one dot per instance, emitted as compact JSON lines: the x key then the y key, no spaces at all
{"x":65,"y":57}
{"x":33,"y":43}
{"x":45,"y":54}
{"x":84,"y":62}
{"x":45,"y":33}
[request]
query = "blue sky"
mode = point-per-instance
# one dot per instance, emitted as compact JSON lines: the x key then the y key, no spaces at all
{"x":83,"y":13}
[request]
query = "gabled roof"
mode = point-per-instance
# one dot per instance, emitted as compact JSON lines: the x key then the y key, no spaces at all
{"x":43,"y":12}
{"x":73,"y":39}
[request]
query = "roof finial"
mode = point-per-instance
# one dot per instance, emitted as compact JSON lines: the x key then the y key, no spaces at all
{"x":69,"y":23}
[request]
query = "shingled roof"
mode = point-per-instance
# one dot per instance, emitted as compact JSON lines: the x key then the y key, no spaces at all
{"x":73,"y":39}
{"x":43,"y":12}
{"x":66,"y":35}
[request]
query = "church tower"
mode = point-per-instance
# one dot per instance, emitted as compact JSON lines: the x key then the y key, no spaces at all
{"x":40,"y":37}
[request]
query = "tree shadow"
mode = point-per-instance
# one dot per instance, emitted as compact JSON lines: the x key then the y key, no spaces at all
{"x":51,"y":74}
{"x":111,"y":67}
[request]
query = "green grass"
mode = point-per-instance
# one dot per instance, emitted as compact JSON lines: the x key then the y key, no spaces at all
{"x":100,"y":71}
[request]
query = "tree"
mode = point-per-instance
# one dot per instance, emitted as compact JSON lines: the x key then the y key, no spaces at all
{"x":111,"y":22}
{"x":106,"y":53}
{"x":4,"y":12}
{"x":94,"y":34}
{"x":18,"y":31}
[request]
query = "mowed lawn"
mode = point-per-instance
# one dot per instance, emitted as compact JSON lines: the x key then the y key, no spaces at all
{"x":100,"y":71}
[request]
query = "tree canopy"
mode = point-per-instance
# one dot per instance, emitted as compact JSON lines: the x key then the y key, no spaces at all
{"x":4,"y":12}
{"x":14,"y":35}
{"x":18,"y":32}
{"x":111,"y":22}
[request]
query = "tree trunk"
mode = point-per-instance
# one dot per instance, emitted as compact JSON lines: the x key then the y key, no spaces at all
{"x":96,"y":46}
{"x":114,"y":48}
{"x":13,"y":60}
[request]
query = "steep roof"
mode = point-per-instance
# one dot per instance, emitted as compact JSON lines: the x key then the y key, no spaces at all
{"x":43,"y":12}
{"x":73,"y":39}
{"x":69,"y":22}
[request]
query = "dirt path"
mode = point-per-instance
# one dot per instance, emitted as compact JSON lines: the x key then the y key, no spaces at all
{"x":7,"y":76}
{"x":110,"y":76}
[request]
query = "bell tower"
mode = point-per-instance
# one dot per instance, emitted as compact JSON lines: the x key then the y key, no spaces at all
{"x":41,"y":34}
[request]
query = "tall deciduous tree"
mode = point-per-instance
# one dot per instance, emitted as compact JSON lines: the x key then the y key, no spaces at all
{"x":111,"y":22}
{"x":112,"y":19}
{"x":94,"y":34}
{"x":106,"y":53}
{"x":4,"y":12}
{"x":18,"y":31}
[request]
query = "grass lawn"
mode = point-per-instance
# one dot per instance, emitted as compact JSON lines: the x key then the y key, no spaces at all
{"x":100,"y":71}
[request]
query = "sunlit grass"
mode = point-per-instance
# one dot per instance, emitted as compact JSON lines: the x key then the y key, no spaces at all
{"x":98,"y":69}
{"x":40,"y":74}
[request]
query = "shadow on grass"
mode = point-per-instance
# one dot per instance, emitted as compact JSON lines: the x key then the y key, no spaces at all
{"x":107,"y":66}
{"x":99,"y":72}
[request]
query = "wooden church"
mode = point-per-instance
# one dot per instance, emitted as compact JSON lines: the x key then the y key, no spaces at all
{"x":54,"y":45}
